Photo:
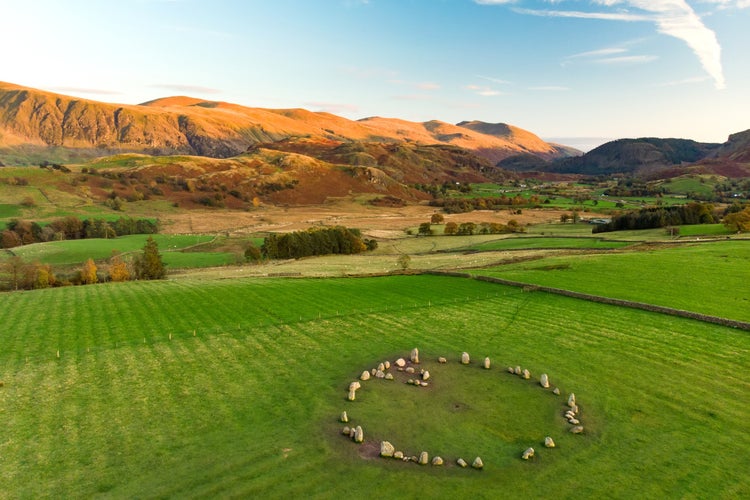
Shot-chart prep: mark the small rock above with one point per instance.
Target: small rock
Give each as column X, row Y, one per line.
column 379, row 374
column 511, row 370
column 424, row 458
column 544, row 380
column 409, row 369
column 574, row 409
column 442, row 360
column 578, row 429
column 528, row 453
column 517, row 370
column 344, row 417
column 373, row 371
column 424, row 384
column 426, row 375
column 574, row 421
column 548, row 442
column 359, row 435
column 437, row 461
column 365, row 375
column 386, row 449
column 347, row 431
column 572, row 400
column 486, row 363
column 381, row 367
column 526, row 374
column 461, row 462
column 410, row 381
column 387, row 365
column 556, row 391
column 477, row 464
column 352, row 432
column 414, row 356
column 354, row 386
column 398, row 455
column 400, row 362
column 389, row 376
column 465, row 359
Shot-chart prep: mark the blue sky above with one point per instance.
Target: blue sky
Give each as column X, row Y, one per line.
column 563, row 69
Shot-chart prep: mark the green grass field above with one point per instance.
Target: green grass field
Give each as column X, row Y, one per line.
column 710, row 278
column 536, row 242
column 244, row 399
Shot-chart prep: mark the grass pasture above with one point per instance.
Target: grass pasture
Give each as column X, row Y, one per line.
column 710, row 278
column 243, row 400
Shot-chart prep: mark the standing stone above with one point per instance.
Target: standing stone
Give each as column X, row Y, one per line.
column 544, row 381
column 424, row 458
column 578, row 429
column 400, row 362
column 354, row 386
column 352, row 395
column 379, row 374
column 517, row 370
column 359, row 435
column 414, row 356
column 442, row 360
column 381, row 367
column 347, row 431
column 365, row 375
column 437, row 461
column 389, row 376
column 477, row 464
column 387, row 365
column 556, row 391
column 526, row 374
column 548, row 442
column 486, row 363
column 461, row 462
column 409, row 369
column 386, row 449
column 528, row 453
column 425, row 375
column 344, row 417
column 572, row 400
column 465, row 360
column 574, row 421
column 510, row 369
column 398, row 455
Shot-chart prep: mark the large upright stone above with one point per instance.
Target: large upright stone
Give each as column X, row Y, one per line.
column 386, row 449
column 365, row 375
column 381, row 367
column 528, row 453
column 477, row 464
column 465, row 359
column 354, row 386
column 359, row 435
column 424, row 458
column 572, row 400
column 486, row 363
column 526, row 374
column 437, row 461
column 578, row 429
column 414, row 357
column 461, row 462
column 400, row 362
column 425, row 375
column 548, row 442
column 544, row 381
column 352, row 395
column 344, row 417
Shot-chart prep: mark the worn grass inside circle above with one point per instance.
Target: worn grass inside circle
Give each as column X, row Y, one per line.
column 466, row 411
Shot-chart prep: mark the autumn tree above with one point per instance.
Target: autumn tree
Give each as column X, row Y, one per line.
column 437, row 218
column 88, row 273
column 252, row 253
column 15, row 267
column 425, row 229
column 450, row 228
column 44, row 278
column 118, row 268
column 403, row 261
column 148, row 265
column 738, row 221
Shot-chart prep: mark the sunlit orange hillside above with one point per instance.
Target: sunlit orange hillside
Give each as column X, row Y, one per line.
column 185, row 125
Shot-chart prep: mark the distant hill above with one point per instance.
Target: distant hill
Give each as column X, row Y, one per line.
column 34, row 123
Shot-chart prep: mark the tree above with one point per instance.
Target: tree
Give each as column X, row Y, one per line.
column 88, row 273
column 425, row 229
column 437, row 218
column 739, row 221
column 252, row 253
column 44, row 276
column 118, row 269
column 15, row 267
column 450, row 228
column 149, row 265
column 403, row 261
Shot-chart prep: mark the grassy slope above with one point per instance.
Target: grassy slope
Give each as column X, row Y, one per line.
column 709, row 278
column 252, row 400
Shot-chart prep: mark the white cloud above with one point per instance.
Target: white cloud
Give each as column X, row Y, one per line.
column 483, row 90
column 627, row 60
column 550, row 88
column 685, row 81
column 675, row 18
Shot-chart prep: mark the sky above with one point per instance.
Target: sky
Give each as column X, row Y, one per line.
column 578, row 72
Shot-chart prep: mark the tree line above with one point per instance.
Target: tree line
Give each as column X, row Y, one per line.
column 147, row 265
column 463, row 205
column 316, row 241
column 23, row 232
column 655, row 217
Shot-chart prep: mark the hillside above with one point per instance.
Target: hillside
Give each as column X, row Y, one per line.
column 34, row 123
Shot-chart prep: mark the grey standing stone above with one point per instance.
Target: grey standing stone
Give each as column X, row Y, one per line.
column 359, row 435
column 572, row 400
column 556, row 391
column 424, row 458
column 365, row 375
column 544, row 381
column 437, row 461
column 398, row 455
column 477, row 464
column 425, row 375
column 486, row 363
column 461, row 462
column 386, row 449
column 548, row 442
column 344, row 417
column 528, row 453
column 526, row 374
column 465, row 359
column 400, row 362
column 352, row 395
column 578, row 429
column 414, row 356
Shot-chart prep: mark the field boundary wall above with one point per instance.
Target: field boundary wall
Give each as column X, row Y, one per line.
column 603, row 300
